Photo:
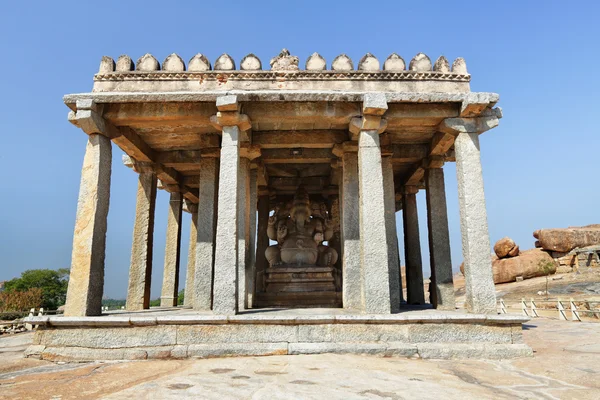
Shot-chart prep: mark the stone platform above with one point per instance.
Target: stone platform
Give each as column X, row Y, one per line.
column 181, row 333
column 299, row 287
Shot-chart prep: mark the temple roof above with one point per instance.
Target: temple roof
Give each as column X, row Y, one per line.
column 393, row 75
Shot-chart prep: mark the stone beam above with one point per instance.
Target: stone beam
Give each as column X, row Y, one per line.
column 317, row 139
column 163, row 99
column 307, row 156
column 160, row 114
column 132, row 144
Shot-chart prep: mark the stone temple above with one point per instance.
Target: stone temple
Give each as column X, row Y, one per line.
column 292, row 178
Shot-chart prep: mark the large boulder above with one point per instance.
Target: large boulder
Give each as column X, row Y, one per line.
column 506, row 247
column 528, row 264
column 567, row 239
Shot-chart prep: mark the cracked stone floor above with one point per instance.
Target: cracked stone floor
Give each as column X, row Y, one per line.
column 566, row 365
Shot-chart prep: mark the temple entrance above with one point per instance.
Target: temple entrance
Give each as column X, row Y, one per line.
column 303, row 267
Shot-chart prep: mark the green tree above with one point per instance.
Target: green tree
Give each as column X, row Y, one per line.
column 52, row 282
column 180, row 297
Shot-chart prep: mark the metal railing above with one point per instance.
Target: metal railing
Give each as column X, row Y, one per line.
column 560, row 309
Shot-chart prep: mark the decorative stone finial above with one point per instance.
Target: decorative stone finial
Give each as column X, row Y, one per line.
column 284, row 61
column 199, row 63
column 147, row 62
column 107, row 64
column 224, row 63
column 394, row 63
column 420, row 62
column 441, row 65
column 459, row 66
column 251, row 63
column 342, row 63
column 173, row 63
column 368, row 63
column 315, row 63
column 124, row 63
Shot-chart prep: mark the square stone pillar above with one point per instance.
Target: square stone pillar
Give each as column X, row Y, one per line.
column 373, row 236
column 412, row 247
column 441, row 286
column 480, row 293
column 140, row 270
column 226, row 253
column 352, row 279
column 86, row 281
column 251, row 260
column 243, row 231
column 391, row 233
column 190, row 275
column 262, row 242
column 205, row 239
column 170, row 287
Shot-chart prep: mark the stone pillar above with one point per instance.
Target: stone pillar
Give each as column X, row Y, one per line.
column 243, row 231
column 480, row 293
column 205, row 239
column 441, row 286
column 412, row 247
column 168, row 297
column 226, row 252
column 86, row 282
column 373, row 239
column 352, row 279
column 251, row 260
column 140, row 270
column 190, row 275
column 391, row 233
column 262, row 242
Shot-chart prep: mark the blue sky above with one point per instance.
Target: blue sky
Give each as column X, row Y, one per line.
column 540, row 165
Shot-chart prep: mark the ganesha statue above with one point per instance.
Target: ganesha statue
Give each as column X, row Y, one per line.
column 300, row 228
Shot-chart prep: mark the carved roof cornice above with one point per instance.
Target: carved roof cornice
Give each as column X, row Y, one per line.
column 283, row 75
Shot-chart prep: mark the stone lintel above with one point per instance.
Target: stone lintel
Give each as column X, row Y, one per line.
column 454, row 126
column 273, row 96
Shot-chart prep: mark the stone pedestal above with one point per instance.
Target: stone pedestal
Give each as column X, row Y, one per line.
column 140, row 270
column 190, row 275
column 373, row 239
column 352, row 279
column 205, row 240
column 168, row 297
column 412, row 247
column 225, row 299
column 441, row 286
column 86, row 281
column 480, row 294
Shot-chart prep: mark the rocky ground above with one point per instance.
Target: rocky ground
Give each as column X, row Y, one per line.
column 565, row 366
column 584, row 284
